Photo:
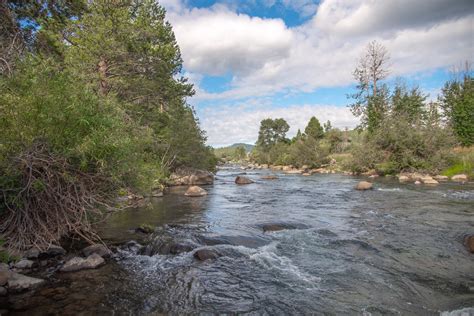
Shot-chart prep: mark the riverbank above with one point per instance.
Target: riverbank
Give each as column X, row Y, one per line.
column 398, row 247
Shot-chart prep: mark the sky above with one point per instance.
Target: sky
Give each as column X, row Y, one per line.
column 254, row 59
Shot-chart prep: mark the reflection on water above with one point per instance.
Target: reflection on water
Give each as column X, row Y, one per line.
column 393, row 250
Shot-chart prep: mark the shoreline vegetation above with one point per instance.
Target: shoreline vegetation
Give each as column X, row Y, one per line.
column 94, row 113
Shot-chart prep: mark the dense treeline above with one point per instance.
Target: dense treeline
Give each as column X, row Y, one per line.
column 399, row 131
column 91, row 100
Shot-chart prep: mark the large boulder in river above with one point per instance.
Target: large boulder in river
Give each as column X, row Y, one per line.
column 269, row 177
column 205, row 254
column 243, row 180
column 363, row 185
column 195, row 191
column 190, row 176
column 77, row 263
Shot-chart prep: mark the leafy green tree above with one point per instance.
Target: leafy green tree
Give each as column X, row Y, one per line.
column 457, row 103
column 272, row 132
column 314, row 129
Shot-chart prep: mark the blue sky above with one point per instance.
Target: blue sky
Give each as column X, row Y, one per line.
column 253, row 59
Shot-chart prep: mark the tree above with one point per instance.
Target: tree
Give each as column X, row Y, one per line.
column 371, row 98
column 128, row 49
column 314, row 129
column 410, row 104
column 240, row 152
column 272, row 132
column 457, row 102
column 327, row 126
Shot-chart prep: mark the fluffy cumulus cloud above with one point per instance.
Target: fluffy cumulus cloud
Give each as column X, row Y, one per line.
column 215, row 41
column 239, row 124
column 265, row 56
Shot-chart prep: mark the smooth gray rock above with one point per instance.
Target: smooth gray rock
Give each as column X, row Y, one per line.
column 99, row 249
column 20, row 282
column 24, row 264
column 77, row 263
column 243, row 180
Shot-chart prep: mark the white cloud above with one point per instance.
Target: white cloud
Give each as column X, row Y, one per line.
column 239, row 124
column 265, row 56
column 216, row 41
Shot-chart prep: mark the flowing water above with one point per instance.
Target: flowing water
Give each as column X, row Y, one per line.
column 397, row 249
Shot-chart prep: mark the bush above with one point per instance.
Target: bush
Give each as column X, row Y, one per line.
column 63, row 152
column 404, row 146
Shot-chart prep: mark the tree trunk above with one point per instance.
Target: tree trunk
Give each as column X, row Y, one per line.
column 103, row 84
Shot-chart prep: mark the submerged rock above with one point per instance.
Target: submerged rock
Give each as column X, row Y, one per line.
column 469, row 242
column 77, row 263
column 270, row 177
column 99, row 249
column 364, row 185
column 205, row 254
column 20, row 282
column 272, row 227
column 243, row 180
column 195, row 191
column 145, row 229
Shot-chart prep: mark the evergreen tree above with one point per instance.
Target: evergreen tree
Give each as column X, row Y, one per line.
column 327, row 126
column 457, row 102
column 314, row 129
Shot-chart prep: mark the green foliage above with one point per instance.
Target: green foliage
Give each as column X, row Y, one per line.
column 463, row 163
column 314, row 129
column 103, row 92
column 272, row 132
column 404, row 146
column 457, row 102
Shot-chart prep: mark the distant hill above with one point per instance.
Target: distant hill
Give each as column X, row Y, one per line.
column 248, row 147
column 230, row 152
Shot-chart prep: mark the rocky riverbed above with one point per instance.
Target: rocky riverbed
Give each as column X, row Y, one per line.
column 283, row 243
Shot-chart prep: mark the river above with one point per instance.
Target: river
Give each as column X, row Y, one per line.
column 397, row 249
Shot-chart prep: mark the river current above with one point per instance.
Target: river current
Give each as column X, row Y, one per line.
column 397, row 249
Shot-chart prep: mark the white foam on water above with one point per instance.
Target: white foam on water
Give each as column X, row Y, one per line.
column 266, row 256
column 468, row 311
column 390, row 190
